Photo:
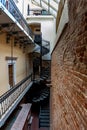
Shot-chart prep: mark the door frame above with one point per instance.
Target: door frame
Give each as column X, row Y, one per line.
column 14, row 71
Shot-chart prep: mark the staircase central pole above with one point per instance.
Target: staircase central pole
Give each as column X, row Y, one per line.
column 41, row 57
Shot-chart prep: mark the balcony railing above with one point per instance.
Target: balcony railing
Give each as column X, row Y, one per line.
column 37, row 12
column 10, row 97
column 12, row 8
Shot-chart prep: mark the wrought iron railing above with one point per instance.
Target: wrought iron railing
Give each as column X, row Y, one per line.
column 12, row 8
column 8, row 98
column 46, row 47
column 37, row 12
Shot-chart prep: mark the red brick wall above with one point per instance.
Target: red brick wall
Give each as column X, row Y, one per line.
column 69, row 72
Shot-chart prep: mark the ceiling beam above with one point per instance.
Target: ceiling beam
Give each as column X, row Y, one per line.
column 55, row 1
column 41, row 5
column 47, row 3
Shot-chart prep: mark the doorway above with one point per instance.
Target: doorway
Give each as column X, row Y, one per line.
column 11, row 74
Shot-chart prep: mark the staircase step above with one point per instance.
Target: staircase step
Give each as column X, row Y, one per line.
column 45, row 111
column 45, row 93
column 44, row 121
column 44, row 117
column 44, row 125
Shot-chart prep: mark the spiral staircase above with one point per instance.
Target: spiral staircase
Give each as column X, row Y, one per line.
column 39, row 93
column 43, row 49
column 39, row 90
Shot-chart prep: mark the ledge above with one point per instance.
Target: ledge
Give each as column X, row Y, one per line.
column 22, row 117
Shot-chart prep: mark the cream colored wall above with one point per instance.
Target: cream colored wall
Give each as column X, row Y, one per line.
column 21, row 67
column 48, row 23
column 4, row 51
column 48, row 28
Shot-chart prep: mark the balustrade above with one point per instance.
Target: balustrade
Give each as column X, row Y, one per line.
column 12, row 8
column 10, row 97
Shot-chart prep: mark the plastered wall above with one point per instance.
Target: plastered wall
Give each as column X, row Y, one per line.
column 21, row 69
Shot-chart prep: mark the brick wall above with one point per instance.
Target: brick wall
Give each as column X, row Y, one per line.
column 69, row 72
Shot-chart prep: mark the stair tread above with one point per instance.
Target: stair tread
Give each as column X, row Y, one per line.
column 45, row 111
column 43, row 118
column 44, row 125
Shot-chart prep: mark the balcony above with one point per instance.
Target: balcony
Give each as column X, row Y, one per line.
column 10, row 14
column 10, row 100
column 36, row 12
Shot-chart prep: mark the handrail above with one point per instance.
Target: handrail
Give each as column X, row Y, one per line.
column 37, row 12
column 47, row 44
column 8, row 98
column 38, row 40
column 12, row 8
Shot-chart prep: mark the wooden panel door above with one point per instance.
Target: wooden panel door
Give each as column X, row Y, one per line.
column 10, row 68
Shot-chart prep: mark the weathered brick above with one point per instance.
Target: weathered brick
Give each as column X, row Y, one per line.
column 69, row 72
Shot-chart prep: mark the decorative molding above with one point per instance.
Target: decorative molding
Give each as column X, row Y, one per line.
column 10, row 58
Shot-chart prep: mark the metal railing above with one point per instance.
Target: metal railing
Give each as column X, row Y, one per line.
column 37, row 12
column 12, row 8
column 8, row 98
column 44, row 48
column 44, row 45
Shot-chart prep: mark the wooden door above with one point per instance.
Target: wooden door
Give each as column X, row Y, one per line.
column 11, row 78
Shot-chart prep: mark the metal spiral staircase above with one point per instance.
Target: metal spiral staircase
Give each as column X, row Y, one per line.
column 44, row 116
column 43, row 49
column 39, row 93
column 42, row 43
